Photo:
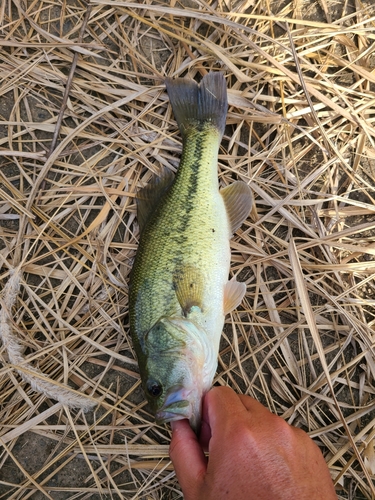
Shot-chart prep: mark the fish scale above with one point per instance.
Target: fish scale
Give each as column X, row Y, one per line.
column 183, row 218
column 179, row 289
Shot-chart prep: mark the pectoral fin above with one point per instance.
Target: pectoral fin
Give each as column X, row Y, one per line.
column 149, row 197
column 238, row 201
column 188, row 283
column 234, row 292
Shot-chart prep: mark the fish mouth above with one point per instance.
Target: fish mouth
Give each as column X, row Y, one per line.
column 178, row 405
column 177, row 411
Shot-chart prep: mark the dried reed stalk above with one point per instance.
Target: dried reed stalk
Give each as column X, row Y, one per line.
column 301, row 81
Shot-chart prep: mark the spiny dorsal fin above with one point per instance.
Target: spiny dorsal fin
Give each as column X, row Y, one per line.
column 238, row 201
column 234, row 292
column 189, row 283
column 148, row 197
column 196, row 106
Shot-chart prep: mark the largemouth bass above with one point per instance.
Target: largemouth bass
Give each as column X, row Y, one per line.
column 179, row 289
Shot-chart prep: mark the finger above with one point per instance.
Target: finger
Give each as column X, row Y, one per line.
column 209, row 411
column 212, row 407
column 222, row 406
column 205, row 433
column 222, row 411
column 187, row 457
column 252, row 405
column 224, row 402
column 225, row 412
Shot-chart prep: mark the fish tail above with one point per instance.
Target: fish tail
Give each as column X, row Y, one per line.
column 199, row 106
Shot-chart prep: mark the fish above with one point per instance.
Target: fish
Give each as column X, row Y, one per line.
column 179, row 289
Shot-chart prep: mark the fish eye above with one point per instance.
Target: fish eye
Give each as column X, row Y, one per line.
column 154, row 388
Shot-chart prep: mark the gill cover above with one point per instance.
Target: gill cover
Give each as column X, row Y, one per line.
column 178, row 359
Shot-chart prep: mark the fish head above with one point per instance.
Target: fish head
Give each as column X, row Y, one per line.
column 178, row 370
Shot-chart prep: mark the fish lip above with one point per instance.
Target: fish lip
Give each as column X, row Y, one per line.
column 171, row 414
column 176, row 395
column 162, row 417
column 178, row 406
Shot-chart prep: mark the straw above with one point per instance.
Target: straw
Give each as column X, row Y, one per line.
column 85, row 122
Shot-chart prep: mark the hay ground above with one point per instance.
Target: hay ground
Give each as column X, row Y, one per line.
column 84, row 123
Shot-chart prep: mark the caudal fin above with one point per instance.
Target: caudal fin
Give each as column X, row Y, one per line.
column 199, row 106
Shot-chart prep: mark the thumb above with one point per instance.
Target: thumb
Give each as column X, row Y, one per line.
column 188, row 458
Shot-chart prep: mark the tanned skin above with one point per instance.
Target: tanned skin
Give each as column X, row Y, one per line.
column 253, row 454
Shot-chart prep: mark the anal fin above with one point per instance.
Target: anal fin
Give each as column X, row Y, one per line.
column 234, row 292
column 238, row 201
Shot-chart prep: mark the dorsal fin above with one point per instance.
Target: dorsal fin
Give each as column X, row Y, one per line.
column 238, row 201
column 234, row 292
column 149, row 197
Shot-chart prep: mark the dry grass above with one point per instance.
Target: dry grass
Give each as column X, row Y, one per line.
column 301, row 81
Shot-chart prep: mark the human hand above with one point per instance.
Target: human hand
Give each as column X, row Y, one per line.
column 253, row 454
